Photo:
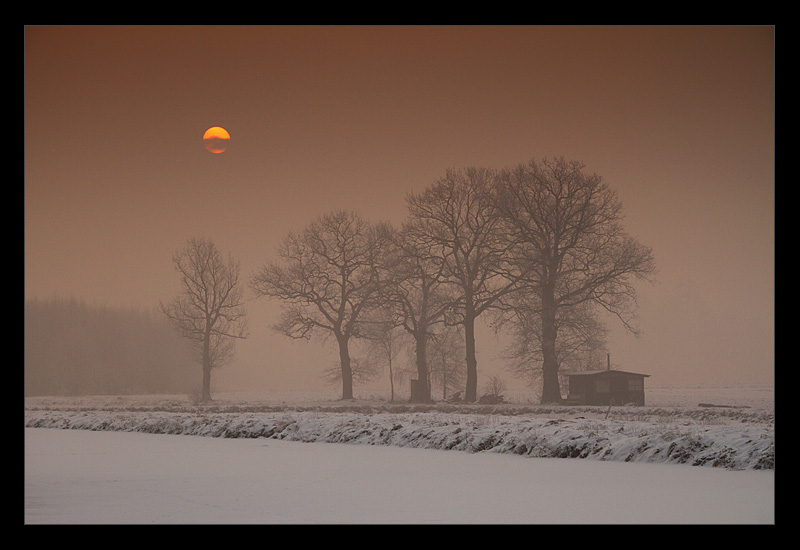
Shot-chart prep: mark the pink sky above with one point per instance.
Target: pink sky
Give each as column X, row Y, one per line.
column 679, row 120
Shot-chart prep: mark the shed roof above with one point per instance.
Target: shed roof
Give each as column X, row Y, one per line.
column 606, row 372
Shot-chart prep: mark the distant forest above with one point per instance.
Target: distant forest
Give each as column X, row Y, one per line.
column 72, row 348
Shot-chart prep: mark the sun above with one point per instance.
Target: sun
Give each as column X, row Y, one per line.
column 216, row 139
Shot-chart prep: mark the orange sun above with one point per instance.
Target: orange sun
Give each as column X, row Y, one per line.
column 216, row 139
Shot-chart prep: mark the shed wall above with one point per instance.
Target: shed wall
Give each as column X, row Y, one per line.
column 606, row 389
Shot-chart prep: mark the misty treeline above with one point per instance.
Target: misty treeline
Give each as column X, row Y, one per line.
column 537, row 249
column 71, row 348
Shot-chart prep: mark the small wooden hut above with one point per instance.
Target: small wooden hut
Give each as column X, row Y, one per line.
column 606, row 387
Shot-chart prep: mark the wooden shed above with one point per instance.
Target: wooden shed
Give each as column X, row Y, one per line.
column 606, row 387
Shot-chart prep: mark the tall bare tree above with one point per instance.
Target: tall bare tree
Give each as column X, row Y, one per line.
column 416, row 292
column 580, row 345
column 459, row 213
column 566, row 226
column 209, row 309
column 327, row 277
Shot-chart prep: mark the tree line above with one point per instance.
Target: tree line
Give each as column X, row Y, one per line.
column 539, row 248
column 72, row 348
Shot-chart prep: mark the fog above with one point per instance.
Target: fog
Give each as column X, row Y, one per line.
column 680, row 122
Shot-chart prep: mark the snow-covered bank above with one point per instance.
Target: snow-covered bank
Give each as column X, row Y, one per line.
column 734, row 436
column 734, row 447
column 83, row 477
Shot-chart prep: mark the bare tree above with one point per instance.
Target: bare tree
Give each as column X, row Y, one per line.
column 327, row 277
column 569, row 241
column 416, row 292
column 383, row 343
column 581, row 342
column 209, row 309
column 447, row 366
column 459, row 213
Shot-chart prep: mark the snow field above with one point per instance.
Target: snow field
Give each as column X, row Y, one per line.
column 249, row 458
column 85, row 477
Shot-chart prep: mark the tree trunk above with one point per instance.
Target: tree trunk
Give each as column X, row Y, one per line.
column 551, row 391
column 347, row 372
column 391, row 381
column 206, row 384
column 424, row 387
column 471, row 391
column 206, row 367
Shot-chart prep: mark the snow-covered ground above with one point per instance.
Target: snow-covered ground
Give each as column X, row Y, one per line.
column 283, row 459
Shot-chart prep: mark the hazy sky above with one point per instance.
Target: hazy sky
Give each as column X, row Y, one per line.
column 680, row 121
